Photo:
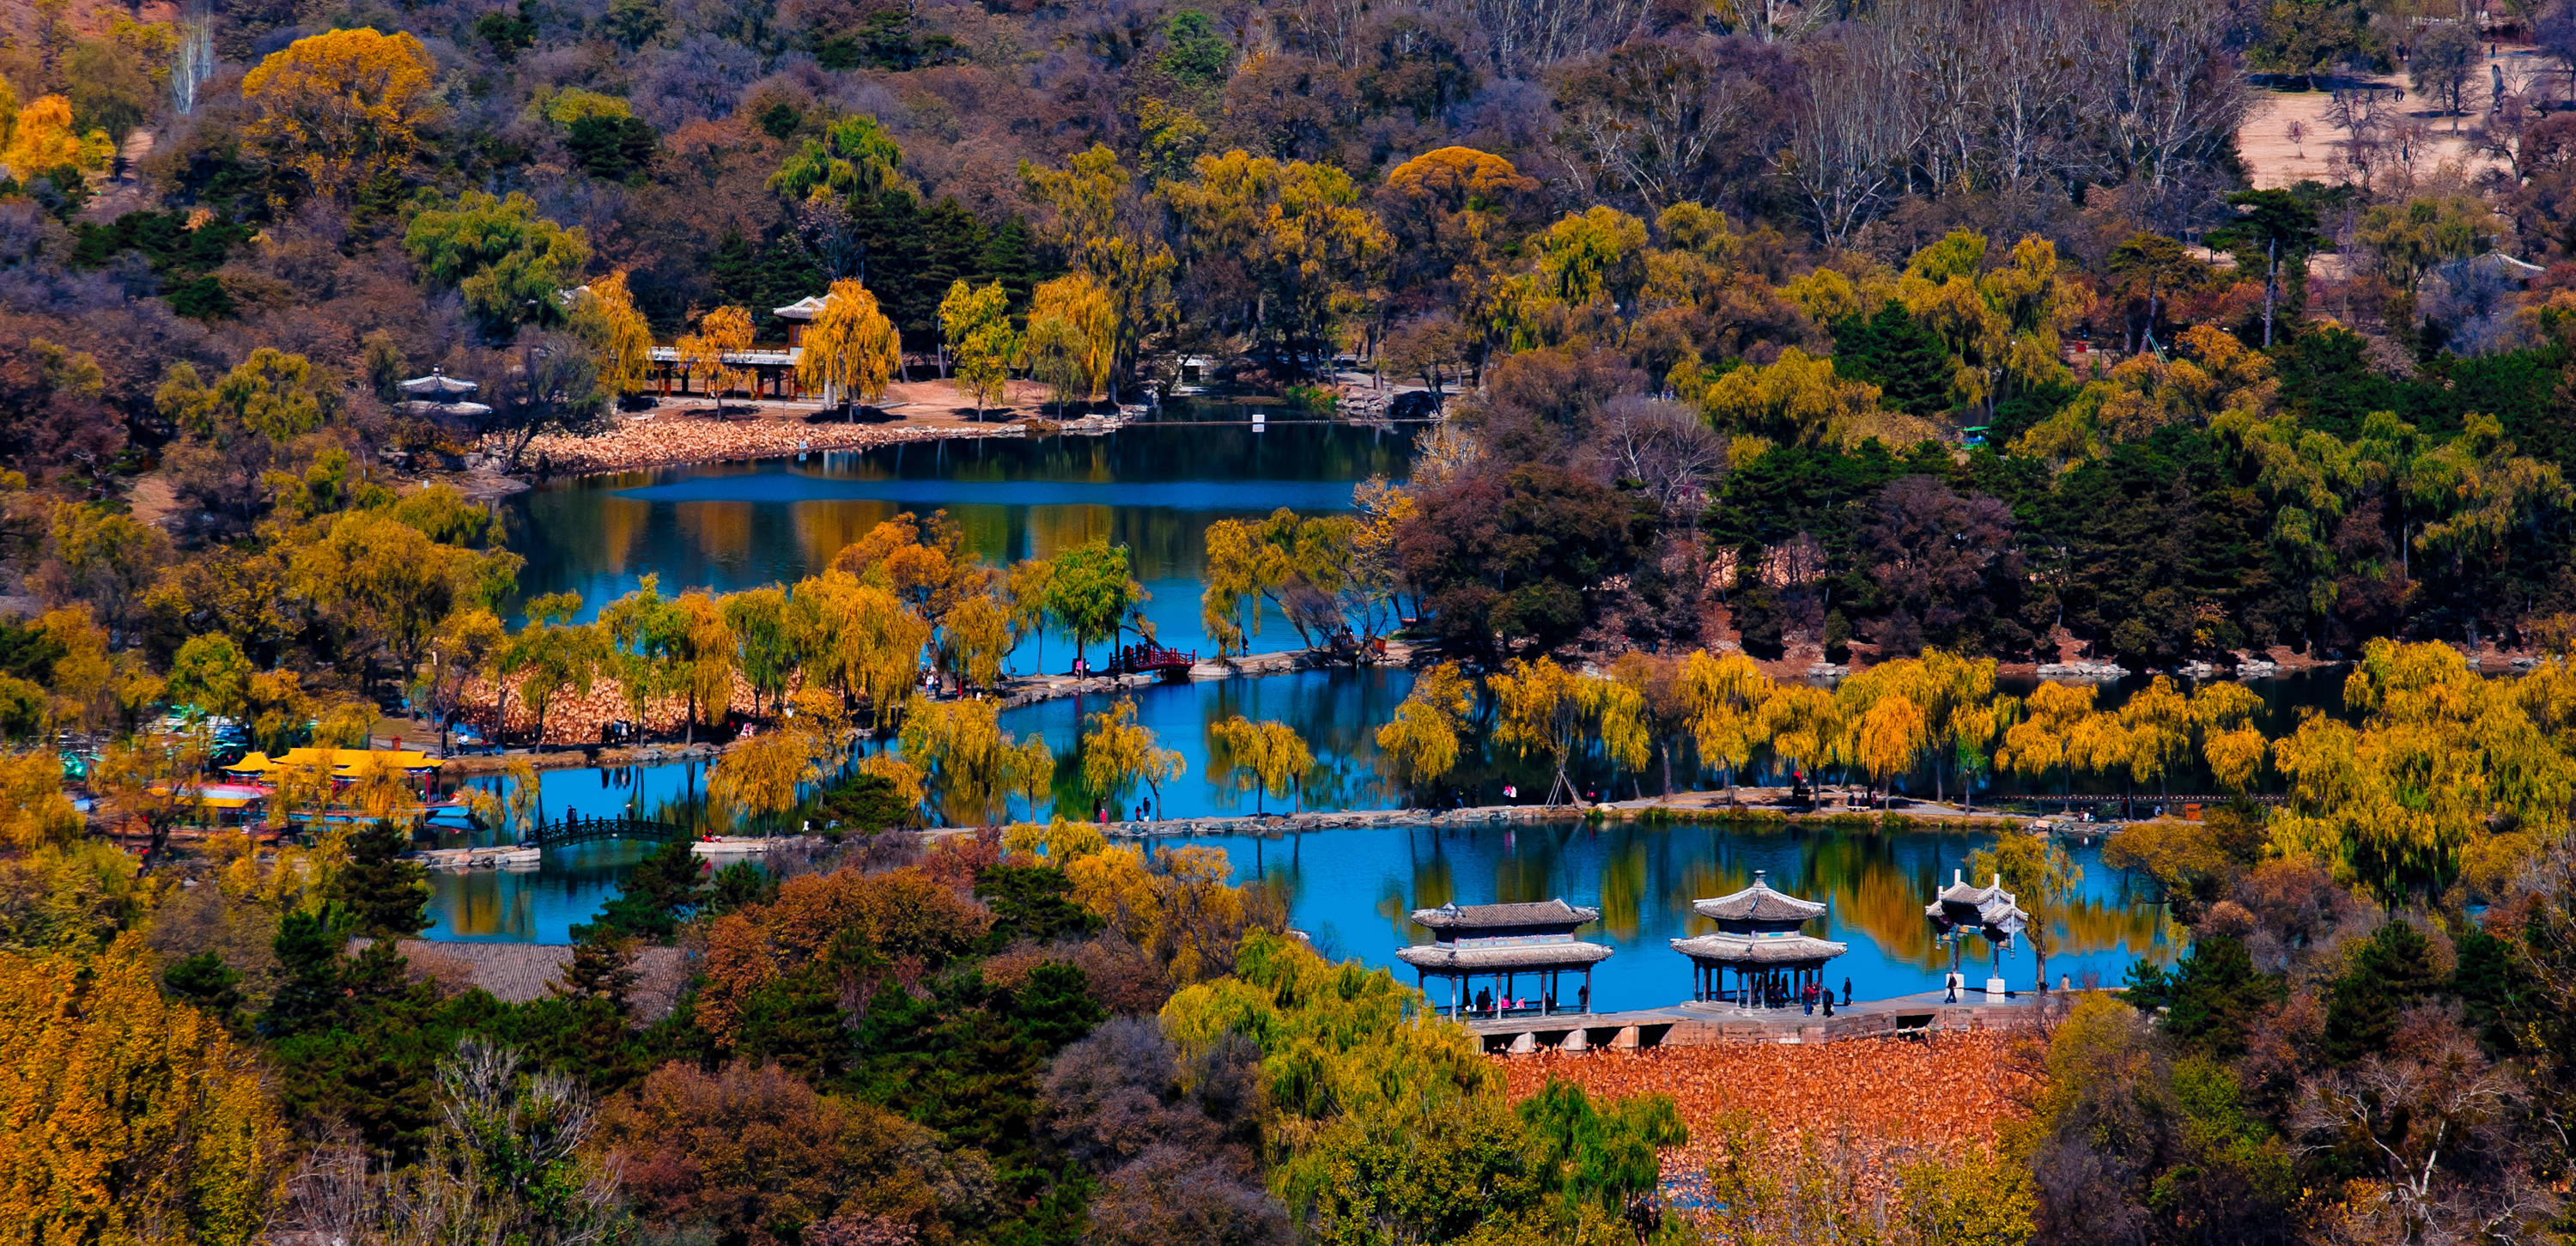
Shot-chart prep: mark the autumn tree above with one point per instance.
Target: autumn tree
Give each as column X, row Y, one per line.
column 1118, row 752
column 830, row 180
column 604, row 317
column 2039, row 873
column 341, row 109
column 1725, row 694
column 1072, row 338
column 1421, row 741
column 980, row 340
column 1093, row 221
column 1547, row 711
column 969, row 761
column 851, row 350
column 134, row 1116
column 723, row 336
column 1268, row 757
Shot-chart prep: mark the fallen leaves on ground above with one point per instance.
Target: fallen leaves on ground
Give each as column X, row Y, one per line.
column 1878, row 1101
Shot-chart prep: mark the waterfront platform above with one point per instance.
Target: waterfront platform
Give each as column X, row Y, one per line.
column 1716, row 1022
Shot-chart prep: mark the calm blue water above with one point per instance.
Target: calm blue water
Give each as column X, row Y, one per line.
column 1151, row 489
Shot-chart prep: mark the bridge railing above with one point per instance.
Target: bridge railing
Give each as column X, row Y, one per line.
column 577, row 830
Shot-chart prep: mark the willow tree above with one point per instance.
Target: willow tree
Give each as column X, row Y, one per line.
column 1073, row 338
column 764, row 775
column 2223, row 714
column 723, row 336
column 2044, row 741
column 605, row 317
column 1268, row 756
column 1548, row 711
column 1726, row 694
column 858, row 638
column 1117, row 753
column 968, row 761
column 1421, row 741
column 2158, row 718
column 851, row 350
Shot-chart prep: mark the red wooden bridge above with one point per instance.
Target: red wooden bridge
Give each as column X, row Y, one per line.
column 1168, row 663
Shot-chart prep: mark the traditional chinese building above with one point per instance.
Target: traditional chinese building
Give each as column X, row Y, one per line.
column 1963, row 910
column 1760, row 938
column 1502, row 942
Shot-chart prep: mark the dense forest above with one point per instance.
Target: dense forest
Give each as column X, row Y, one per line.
column 1917, row 335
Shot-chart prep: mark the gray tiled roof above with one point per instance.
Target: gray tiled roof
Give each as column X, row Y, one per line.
column 1490, row 916
column 1759, row 903
column 1452, row 958
column 1759, row 949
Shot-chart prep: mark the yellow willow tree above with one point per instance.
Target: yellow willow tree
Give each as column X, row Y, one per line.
column 1073, row 337
column 2158, row 719
column 1725, row 694
column 2223, row 714
column 858, row 637
column 1957, row 694
column 1545, row 710
column 1889, row 737
column 1420, row 742
column 723, row 336
column 1268, row 756
column 969, row 762
column 762, row 776
column 605, row 317
column 852, row 351
column 1117, row 753
column 973, row 640
column 2044, row 740
column 2448, row 777
column 707, row 657
column 1801, row 724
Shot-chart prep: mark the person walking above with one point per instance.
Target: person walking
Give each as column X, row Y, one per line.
column 1846, row 992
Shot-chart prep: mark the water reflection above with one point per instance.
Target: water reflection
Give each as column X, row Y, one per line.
column 1154, row 490
column 1353, row 890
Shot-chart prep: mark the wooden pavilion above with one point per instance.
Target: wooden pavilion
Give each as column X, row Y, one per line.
column 1759, row 937
column 1503, row 941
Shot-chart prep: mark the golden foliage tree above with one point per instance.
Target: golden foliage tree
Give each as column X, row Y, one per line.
column 723, row 336
column 605, row 316
column 130, row 1118
column 981, row 342
column 1073, row 337
column 852, row 351
column 1118, row 752
column 341, row 108
column 1725, row 694
column 1548, row 711
column 1268, row 756
column 1421, row 741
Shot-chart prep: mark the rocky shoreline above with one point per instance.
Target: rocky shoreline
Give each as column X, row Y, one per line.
column 675, row 439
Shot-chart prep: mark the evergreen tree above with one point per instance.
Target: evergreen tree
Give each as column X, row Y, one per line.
column 2218, row 996
column 385, row 896
column 309, row 972
column 207, row 983
column 1899, row 355
column 1011, row 257
column 662, row 891
column 2394, row 969
column 1030, row 902
column 2490, row 986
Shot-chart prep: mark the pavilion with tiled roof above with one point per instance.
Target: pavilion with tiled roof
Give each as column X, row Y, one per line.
column 1760, row 937
column 1503, row 941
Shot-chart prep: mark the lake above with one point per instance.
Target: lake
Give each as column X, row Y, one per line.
column 1153, row 489
column 1353, row 889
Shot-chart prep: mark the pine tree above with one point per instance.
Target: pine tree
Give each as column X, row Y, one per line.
column 386, row 897
column 2218, row 996
column 2394, row 969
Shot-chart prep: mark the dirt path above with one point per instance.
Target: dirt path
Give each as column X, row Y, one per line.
column 2287, row 138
